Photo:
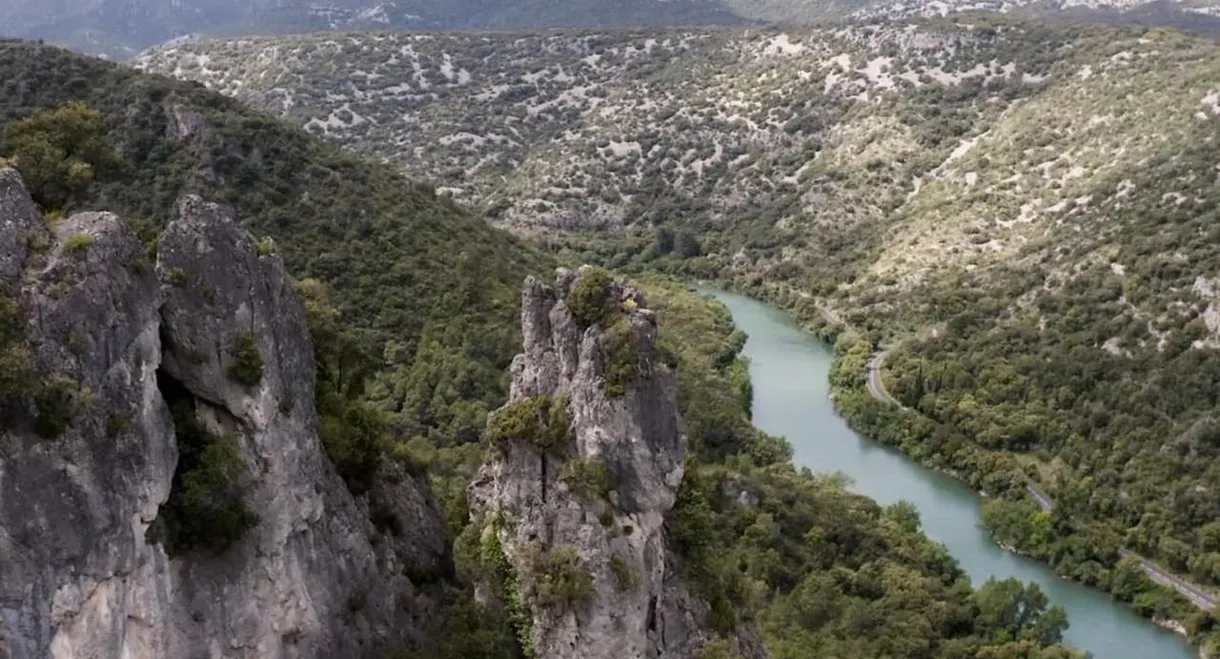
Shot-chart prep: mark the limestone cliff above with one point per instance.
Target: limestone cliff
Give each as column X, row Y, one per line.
column 588, row 456
column 142, row 370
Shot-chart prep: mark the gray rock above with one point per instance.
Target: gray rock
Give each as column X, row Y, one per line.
column 184, row 123
column 19, row 217
column 639, row 437
column 81, row 578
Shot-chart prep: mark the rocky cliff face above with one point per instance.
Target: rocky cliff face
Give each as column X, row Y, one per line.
column 589, row 454
column 137, row 364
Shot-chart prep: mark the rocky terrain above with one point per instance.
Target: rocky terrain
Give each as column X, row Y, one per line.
column 170, row 494
column 589, row 453
column 1024, row 212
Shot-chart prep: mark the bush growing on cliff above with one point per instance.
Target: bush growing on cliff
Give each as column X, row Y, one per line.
column 247, row 366
column 622, row 360
column 540, row 420
column 59, row 400
column 205, row 508
column 559, row 579
column 60, row 152
column 590, row 301
column 587, row 477
column 14, row 353
column 624, row 578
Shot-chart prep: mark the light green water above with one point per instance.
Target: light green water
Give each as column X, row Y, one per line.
column 790, row 371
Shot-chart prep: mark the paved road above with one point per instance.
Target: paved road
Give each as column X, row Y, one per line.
column 876, row 388
column 1188, row 590
column 1192, row 592
column 1042, row 500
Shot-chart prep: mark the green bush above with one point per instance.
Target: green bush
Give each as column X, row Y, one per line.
column 624, row 578
column 247, row 366
column 117, row 423
column 15, row 358
column 59, row 153
column 587, row 477
column 205, row 509
column 265, row 247
column 622, row 360
column 59, row 401
column 78, row 242
column 540, row 420
column 354, row 436
column 591, row 301
column 507, row 584
column 560, row 580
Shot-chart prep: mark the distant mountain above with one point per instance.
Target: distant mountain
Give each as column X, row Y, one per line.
column 118, row 29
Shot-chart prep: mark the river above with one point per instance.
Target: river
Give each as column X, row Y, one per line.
column 790, row 369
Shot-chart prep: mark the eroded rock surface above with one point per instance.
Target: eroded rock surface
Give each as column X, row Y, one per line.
column 81, row 576
column 576, row 501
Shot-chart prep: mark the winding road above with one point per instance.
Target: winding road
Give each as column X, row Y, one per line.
column 1192, row 592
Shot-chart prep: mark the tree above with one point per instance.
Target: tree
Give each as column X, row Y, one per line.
column 1008, row 607
column 665, row 240
column 60, row 152
column 687, row 245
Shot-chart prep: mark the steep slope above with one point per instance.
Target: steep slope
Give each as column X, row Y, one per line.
column 590, row 454
column 156, row 500
column 1024, row 212
column 428, row 290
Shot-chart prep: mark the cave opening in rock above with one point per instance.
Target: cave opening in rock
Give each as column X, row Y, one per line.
column 205, row 509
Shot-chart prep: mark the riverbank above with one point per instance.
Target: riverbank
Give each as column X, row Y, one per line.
column 854, row 402
column 791, row 374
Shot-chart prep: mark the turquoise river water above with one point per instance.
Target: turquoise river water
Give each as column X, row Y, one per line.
column 789, row 369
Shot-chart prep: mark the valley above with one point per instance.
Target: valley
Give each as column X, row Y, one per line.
column 348, row 358
column 985, row 194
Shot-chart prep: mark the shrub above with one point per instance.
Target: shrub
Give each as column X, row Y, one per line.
column 15, row 359
column 587, row 477
column 59, row 152
column 719, row 649
column 58, row 402
column 622, row 360
column 205, row 507
column 539, row 420
column 78, row 242
column 590, row 301
column 353, row 435
column 247, row 366
column 265, row 247
column 624, row 578
column 508, row 583
column 117, row 424
column 560, row 580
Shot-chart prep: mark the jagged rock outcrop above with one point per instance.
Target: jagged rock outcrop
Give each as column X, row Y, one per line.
column 81, row 575
column 590, row 452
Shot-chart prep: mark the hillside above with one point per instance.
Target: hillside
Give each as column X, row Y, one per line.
column 428, row 292
column 1025, row 213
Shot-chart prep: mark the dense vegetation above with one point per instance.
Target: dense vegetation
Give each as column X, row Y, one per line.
column 412, row 304
column 821, row 571
column 998, row 212
column 426, row 295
